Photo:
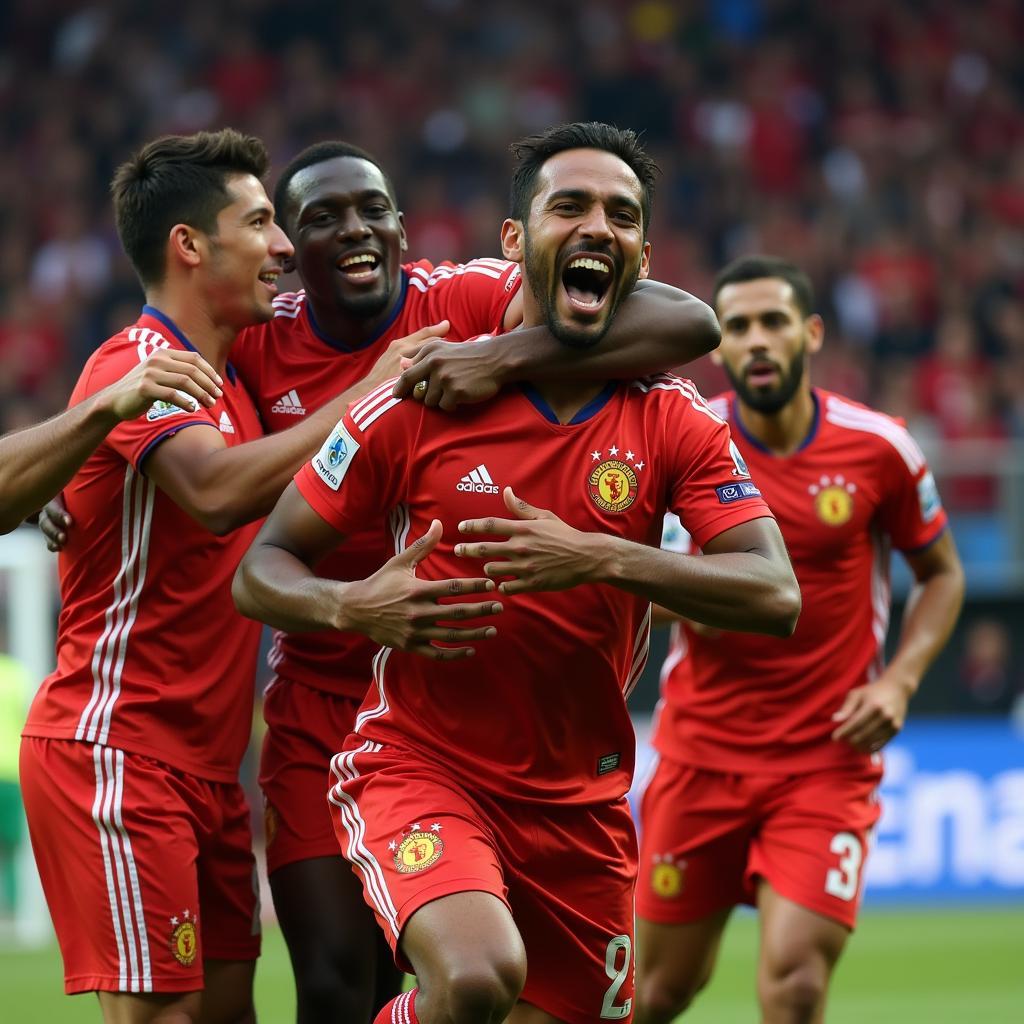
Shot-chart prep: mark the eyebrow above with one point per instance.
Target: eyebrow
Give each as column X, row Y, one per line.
column 262, row 210
column 580, row 194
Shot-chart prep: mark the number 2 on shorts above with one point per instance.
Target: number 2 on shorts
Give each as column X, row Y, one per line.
column 841, row 882
column 609, row 1011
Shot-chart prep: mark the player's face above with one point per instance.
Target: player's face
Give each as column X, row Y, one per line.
column 583, row 245
column 765, row 341
column 348, row 236
column 246, row 256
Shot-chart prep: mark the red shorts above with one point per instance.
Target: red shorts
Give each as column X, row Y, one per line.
column 305, row 729
column 708, row 836
column 147, row 870
column 566, row 872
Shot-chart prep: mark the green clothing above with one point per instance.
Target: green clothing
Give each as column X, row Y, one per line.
column 15, row 690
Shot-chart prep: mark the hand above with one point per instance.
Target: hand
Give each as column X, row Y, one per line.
column 184, row 379
column 54, row 522
column 390, row 362
column 871, row 715
column 542, row 552
column 396, row 609
column 456, row 373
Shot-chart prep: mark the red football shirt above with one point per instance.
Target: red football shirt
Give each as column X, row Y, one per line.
column 152, row 656
column 292, row 369
column 744, row 703
column 540, row 712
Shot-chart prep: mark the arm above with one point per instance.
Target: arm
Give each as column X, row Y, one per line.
column 276, row 584
column 657, row 328
column 742, row 581
column 37, row 462
column 871, row 715
column 224, row 487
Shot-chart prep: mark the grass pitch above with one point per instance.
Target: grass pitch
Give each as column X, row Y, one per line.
column 901, row 967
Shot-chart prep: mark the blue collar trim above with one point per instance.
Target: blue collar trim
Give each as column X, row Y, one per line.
column 592, row 408
column 156, row 314
column 811, row 434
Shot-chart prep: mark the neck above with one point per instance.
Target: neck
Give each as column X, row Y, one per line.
column 211, row 340
column 782, row 432
column 567, row 398
column 351, row 329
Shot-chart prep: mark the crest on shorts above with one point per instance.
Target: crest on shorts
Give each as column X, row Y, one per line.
column 667, row 876
column 184, row 938
column 417, row 848
column 833, row 499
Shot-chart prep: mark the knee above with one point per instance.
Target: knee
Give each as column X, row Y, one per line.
column 479, row 993
column 660, row 999
column 798, row 989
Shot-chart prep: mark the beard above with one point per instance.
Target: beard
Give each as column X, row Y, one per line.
column 769, row 400
column 567, row 333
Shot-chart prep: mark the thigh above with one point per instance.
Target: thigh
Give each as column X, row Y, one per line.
column 305, row 729
column 411, row 835
column 115, row 844
column 813, row 841
column 227, row 993
column 696, row 830
column 228, row 880
column 571, row 874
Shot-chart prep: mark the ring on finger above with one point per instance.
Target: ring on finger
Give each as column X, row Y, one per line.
column 420, row 389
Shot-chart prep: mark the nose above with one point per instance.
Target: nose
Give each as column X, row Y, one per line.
column 595, row 225
column 279, row 244
column 351, row 225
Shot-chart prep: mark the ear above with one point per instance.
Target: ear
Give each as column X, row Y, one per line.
column 815, row 328
column 185, row 245
column 645, row 263
column 404, row 244
column 513, row 240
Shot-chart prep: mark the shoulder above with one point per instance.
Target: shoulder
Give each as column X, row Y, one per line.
column 865, row 425
column 424, row 276
column 121, row 353
column 286, row 320
column 676, row 396
column 379, row 411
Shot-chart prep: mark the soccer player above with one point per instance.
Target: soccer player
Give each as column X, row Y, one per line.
column 339, row 208
column 36, row 463
column 764, row 791
column 130, row 759
column 475, row 787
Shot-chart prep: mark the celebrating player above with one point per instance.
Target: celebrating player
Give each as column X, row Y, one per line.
column 132, row 747
column 764, row 791
column 486, row 785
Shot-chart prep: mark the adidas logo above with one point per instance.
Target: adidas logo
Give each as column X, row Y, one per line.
column 477, row 481
column 289, row 405
column 225, row 424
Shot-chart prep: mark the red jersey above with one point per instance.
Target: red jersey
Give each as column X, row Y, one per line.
column 745, row 703
column 292, row 369
column 152, row 656
column 540, row 712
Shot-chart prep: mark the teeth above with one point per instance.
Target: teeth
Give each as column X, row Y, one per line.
column 361, row 258
column 585, row 263
column 270, row 276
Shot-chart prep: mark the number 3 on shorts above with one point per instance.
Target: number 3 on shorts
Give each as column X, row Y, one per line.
column 620, row 944
column 841, row 882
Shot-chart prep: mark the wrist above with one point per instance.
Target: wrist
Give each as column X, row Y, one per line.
column 102, row 409
column 605, row 556
column 506, row 362
column 903, row 680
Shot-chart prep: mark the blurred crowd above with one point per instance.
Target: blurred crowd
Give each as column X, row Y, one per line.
column 879, row 143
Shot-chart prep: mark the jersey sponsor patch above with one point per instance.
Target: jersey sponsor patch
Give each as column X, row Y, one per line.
column 928, row 497
column 332, row 461
column 728, row 493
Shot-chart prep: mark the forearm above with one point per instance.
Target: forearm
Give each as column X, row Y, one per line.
column 744, row 590
column 36, row 463
column 928, row 620
column 656, row 328
column 276, row 587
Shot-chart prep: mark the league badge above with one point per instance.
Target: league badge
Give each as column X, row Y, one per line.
column 418, row 848
column 332, row 461
column 184, row 939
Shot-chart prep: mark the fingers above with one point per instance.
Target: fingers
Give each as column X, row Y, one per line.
column 522, row 509
column 848, row 706
column 442, row 653
column 453, row 635
column 452, row 588
column 421, row 547
column 53, row 524
column 187, row 372
column 458, row 612
column 499, row 527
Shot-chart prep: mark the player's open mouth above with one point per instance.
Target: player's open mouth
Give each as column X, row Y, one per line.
column 269, row 279
column 359, row 267
column 587, row 280
column 762, row 374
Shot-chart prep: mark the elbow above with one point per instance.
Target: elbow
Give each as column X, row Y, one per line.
column 703, row 333
column 219, row 517
column 786, row 607
column 241, row 594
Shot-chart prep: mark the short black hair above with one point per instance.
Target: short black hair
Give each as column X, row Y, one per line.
column 318, row 153
column 754, row 268
column 534, row 151
column 178, row 179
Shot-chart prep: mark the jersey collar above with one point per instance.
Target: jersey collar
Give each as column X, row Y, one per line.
column 340, row 346
column 592, row 408
column 747, row 436
column 156, row 314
